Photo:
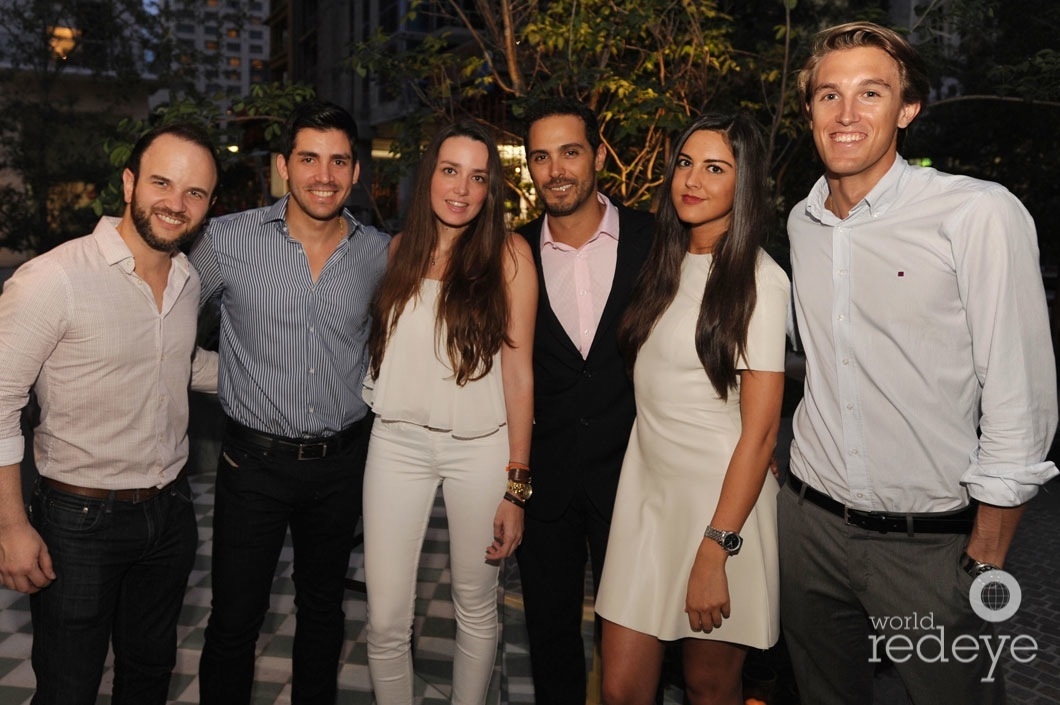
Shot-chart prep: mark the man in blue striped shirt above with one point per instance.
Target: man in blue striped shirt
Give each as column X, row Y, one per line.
column 295, row 282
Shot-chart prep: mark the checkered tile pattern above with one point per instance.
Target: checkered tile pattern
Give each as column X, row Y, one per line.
column 1032, row 683
column 434, row 630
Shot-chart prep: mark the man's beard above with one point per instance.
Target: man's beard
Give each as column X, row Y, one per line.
column 142, row 220
column 582, row 193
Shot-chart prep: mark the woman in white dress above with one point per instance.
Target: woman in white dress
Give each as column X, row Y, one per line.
column 451, row 387
column 692, row 553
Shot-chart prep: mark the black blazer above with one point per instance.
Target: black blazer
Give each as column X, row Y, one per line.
column 583, row 409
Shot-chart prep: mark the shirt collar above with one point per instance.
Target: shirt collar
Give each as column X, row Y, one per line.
column 608, row 224
column 111, row 245
column 115, row 252
column 277, row 212
column 882, row 196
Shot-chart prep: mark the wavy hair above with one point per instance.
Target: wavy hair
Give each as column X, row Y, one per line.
column 730, row 294
column 472, row 310
column 916, row 85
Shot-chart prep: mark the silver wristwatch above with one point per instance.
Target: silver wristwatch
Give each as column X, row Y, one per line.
column 975, row 568
column 728, row 540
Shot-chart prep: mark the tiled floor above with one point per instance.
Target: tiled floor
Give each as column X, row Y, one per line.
column 434, row 630
column 1034, row 560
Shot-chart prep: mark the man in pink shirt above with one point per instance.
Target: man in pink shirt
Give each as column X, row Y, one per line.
column 588, row 252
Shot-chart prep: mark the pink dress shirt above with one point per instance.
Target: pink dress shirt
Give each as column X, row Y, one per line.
column 578, row 280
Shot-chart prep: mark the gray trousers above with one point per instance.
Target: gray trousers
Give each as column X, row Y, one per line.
column 850, row 598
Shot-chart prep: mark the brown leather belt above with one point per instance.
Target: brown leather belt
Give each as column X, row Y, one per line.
column 135, row 496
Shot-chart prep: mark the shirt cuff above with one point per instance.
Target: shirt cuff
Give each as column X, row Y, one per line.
column 12, row 450
column 1006, row 485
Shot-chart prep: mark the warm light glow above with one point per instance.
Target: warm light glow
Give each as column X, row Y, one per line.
column 63, row 40
column 233, row 148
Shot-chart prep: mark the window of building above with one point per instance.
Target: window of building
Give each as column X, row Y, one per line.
column 235, row 61
column 232, row 33
column 63, row 41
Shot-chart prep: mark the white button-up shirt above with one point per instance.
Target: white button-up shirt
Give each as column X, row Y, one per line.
column 929, row 365
column 110, row 370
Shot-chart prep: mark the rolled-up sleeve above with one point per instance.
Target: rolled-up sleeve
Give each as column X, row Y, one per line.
column 996, row 257
column 32, row 317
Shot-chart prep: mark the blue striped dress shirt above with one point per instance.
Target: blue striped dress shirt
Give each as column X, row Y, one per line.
column 292, row 350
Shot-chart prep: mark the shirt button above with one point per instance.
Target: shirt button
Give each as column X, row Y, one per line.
column 846, row 361
column 853, row 451
column 311, row 410
column 841, row 272
column 312, row 371
column 859, row 495
column 850, row 407
column 842, row 317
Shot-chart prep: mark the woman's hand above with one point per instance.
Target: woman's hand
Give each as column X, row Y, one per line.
column 507, row 531
column 707, row 599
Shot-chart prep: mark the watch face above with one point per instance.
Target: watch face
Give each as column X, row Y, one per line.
column 731, row 542
column 522, row 490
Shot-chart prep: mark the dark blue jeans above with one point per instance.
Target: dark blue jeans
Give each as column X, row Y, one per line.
column 257, row 499
column 122, row 570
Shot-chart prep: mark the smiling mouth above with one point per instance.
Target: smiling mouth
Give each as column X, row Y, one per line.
column 560, row 188
column 457, row 204
column 847, row 137
column 323, row 193
column 170, row 219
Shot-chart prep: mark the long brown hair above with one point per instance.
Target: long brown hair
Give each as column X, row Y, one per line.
column 473, row 304
column 729, row 295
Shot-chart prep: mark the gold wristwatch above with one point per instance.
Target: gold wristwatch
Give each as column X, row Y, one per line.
column 520, row 490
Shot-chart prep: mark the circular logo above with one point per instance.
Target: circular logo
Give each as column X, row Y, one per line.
column 995, row 595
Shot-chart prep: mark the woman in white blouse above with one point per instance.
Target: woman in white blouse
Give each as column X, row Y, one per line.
column 451, row 386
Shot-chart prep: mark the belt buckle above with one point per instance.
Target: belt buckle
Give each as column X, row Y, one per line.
column 862, row 519
column 305, row 451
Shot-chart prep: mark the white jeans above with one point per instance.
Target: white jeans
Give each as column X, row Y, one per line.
column 405, row 464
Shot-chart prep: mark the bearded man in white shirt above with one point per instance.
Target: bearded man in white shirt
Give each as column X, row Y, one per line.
column 102, row 328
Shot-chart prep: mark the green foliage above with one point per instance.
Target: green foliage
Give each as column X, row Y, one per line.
column 253, row 123
column 59, row 92
column 645, row 66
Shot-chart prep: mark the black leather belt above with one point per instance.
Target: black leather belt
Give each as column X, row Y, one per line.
column 296, row 448
column 955, row 522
